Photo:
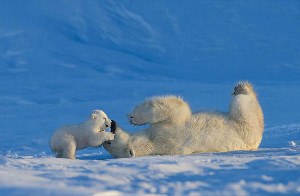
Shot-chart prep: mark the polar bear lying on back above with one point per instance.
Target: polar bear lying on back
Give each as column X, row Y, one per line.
column 174, row 130
column 91, row 133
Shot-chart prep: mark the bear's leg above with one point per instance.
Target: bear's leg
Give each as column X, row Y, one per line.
column 159, row 110
column 141, row 115
column 246, row 112
column 243, row 102
column 69, row 151
column 98, row 139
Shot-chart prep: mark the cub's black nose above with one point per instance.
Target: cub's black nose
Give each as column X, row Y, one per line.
column 113, row 126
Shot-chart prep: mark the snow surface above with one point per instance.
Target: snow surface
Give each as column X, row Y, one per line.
column 61, row 59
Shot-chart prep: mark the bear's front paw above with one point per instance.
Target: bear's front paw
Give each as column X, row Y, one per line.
column 110, row 136
column 242, row 88
column 113, row 126
column 133, row 120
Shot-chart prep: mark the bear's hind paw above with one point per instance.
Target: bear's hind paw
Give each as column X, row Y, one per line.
column 242, row 88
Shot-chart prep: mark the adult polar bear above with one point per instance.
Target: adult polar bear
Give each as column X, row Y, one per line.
column 174, row 130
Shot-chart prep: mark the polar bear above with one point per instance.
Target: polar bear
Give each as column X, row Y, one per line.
column 174, row 130
column 91, row 133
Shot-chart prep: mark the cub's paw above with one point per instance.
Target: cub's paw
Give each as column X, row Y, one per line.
column 242, row 88
column 110, row 136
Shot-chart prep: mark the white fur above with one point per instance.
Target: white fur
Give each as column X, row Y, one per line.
column 174, row 131
column 91, row 133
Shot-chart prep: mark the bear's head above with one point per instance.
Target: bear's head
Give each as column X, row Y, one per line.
column 119, row 147
column 100, row 119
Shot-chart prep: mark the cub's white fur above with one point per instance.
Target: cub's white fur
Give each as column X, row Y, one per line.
column 174, row 130
column 91, row 133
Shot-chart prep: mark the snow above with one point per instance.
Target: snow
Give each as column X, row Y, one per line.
column 61, row 59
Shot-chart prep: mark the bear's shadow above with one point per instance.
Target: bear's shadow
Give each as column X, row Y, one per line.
column 93, row 154
column 94, row 157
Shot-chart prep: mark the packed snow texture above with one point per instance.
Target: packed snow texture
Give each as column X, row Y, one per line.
column 61, row 59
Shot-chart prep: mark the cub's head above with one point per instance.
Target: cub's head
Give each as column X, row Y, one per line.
column 100, row 119
column 119, row 147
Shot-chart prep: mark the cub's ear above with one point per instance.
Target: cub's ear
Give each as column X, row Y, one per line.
column 93, row 116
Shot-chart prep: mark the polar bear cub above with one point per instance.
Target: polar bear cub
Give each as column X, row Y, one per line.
column 91, row 133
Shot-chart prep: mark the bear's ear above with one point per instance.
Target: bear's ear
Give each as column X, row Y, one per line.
column 93, row 116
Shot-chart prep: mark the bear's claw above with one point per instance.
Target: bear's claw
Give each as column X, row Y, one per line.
column 242, row 88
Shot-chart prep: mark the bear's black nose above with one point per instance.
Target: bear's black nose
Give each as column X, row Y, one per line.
column 106, row 125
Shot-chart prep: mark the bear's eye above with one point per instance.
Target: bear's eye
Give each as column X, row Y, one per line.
column 131, row 153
